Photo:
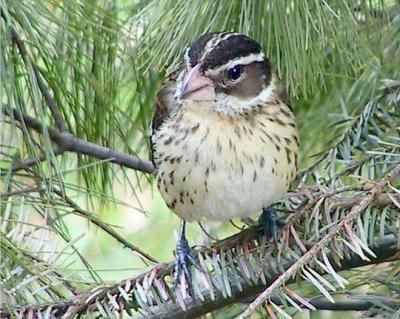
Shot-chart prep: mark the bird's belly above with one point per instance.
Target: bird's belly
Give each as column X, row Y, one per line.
column 198, row 190
column 229, row 194
column 220, row 168
column 215, row 178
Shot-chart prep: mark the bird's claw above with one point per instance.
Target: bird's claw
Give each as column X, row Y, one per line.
column 184, row 260
column 270, row 223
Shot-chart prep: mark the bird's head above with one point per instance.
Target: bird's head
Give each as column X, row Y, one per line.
column 228, row 71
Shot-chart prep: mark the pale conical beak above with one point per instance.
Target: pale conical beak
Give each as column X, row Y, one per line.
column 197, row 87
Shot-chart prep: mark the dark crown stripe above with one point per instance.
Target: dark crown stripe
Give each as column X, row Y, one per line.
column 197, row 47
column 233, row 47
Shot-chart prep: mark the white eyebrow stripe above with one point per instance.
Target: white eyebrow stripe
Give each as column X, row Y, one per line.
column 227, row 36
column 259, row 57
column 210, row 46
column 186, row 57
column 246, row 60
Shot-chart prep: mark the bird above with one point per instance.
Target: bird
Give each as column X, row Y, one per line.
column 224, row 138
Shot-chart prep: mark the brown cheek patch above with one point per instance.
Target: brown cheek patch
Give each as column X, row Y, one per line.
column 257, row 77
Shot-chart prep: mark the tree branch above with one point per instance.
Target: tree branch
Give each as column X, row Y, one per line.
column 94, row 219
column 247, row 245
column 25, row 164
column 70, row 143
column 384, row 250
column 26, row 190
column 54, row 108
column 61, row 136
column 354, row 303
column 310, row 254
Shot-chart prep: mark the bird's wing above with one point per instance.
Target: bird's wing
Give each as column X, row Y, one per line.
column 164, row 106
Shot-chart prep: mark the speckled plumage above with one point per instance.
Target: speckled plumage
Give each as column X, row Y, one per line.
column 229, row 157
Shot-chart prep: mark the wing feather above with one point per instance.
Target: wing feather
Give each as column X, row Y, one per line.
column 166, row 103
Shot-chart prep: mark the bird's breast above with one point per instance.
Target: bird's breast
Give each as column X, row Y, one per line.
column 218, row 167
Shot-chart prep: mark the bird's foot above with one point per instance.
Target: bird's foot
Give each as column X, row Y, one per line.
column 184, row 259
column 270, row 223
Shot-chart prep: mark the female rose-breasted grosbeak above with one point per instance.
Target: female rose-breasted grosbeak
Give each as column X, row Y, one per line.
column 224, row 138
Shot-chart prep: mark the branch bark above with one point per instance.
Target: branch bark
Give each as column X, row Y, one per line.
column 69, row 142
column 64, row 140
column 352, row 304
column 54, row 108
column 385, row 250
column 25, row 164
column 310, row 254
column 94, row 219
column 216, row 298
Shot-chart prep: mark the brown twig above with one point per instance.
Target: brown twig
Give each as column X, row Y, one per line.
column 54, row 108
column 323, row 196
column 344, row 202
column 384, row 250
column 69, row 142
column 354, row 303
column 33, row 189
column 27, row 163
column 90, row 216
column 94, row 219
column 64, row 140
column 310, row 254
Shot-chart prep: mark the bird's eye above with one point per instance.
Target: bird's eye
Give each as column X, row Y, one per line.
column 235, row 72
